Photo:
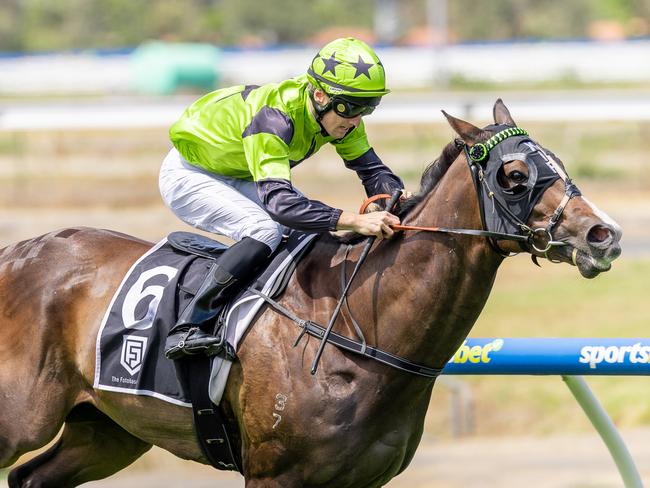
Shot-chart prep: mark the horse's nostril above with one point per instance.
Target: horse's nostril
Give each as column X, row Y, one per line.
column 599, row 234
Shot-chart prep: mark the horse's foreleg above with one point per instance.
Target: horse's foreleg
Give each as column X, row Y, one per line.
column 91, row 447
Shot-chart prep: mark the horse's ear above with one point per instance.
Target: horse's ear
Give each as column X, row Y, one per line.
column 468, row 132
column 502, row 114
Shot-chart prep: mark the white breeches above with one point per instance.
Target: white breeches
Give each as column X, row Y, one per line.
column 215, row 203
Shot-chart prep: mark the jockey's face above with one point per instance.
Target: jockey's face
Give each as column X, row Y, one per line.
column 335, row 125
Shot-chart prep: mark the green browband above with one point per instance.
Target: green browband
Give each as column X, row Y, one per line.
column 480, row 151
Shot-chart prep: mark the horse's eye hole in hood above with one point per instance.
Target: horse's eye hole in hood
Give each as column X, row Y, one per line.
column 512, row 181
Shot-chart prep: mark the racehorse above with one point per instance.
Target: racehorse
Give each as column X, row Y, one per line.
column 356, row 422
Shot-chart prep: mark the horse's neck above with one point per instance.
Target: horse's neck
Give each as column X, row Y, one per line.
column 429, row 288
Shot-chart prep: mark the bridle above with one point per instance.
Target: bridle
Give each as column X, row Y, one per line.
column 478, row 157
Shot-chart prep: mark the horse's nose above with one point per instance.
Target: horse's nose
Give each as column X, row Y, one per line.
column 605, row 240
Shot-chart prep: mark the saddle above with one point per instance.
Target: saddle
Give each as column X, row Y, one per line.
column 196, row 244
column 272, row 280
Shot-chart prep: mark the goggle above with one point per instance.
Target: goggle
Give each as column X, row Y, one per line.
column 350, row 109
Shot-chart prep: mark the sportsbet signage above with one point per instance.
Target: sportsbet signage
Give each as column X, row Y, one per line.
column 551, row 356
column 476, row 353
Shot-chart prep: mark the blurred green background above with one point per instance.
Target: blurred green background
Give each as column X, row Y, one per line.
column 36, row 25
column 106, row 176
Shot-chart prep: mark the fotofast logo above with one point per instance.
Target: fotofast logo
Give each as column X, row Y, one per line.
column 595, row 355
column 133, row 350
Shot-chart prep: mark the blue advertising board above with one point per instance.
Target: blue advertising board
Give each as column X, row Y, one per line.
column 550, row 356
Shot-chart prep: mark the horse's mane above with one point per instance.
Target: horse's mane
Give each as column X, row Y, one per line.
column 432, row 175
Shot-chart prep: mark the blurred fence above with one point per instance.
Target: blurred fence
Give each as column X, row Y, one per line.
column 407, row 67
column 121, row 114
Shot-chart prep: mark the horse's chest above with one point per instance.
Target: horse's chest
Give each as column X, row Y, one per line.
column 358, row 460
column 369, row 443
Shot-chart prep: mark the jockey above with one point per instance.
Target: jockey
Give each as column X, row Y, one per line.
column 229, row 171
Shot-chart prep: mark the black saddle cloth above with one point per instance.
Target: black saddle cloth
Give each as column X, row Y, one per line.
column 159, row 285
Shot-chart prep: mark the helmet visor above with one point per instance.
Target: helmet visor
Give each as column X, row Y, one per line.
column 350, row 107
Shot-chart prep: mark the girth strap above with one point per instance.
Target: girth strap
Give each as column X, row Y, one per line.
column 315, row 330
column 209, row 423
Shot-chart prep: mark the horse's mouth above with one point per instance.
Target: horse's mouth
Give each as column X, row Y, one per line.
column 588, row 265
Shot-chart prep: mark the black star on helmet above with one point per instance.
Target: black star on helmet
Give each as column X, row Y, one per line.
column 330, row 64
column 362, row 68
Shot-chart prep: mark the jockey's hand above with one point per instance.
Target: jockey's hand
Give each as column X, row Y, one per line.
column 370, row 224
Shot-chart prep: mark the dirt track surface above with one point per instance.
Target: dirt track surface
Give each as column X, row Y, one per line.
column 568, row 461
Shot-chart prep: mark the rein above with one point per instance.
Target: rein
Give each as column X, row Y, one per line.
column 539, row 239
column 327, row 335
column 472, row 232
column 445, row 230
column 475, row 155
column 343, row 299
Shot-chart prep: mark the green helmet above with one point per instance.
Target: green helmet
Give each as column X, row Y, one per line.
column 348, row 67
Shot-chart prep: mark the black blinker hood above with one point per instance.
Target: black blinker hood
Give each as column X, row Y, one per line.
column 497, row 201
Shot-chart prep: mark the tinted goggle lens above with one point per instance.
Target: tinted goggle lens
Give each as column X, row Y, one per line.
column 347, row 109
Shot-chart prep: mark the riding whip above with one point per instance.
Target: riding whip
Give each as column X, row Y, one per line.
column 366, row 249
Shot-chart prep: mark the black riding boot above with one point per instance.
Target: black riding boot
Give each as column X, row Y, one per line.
column 224, row 279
